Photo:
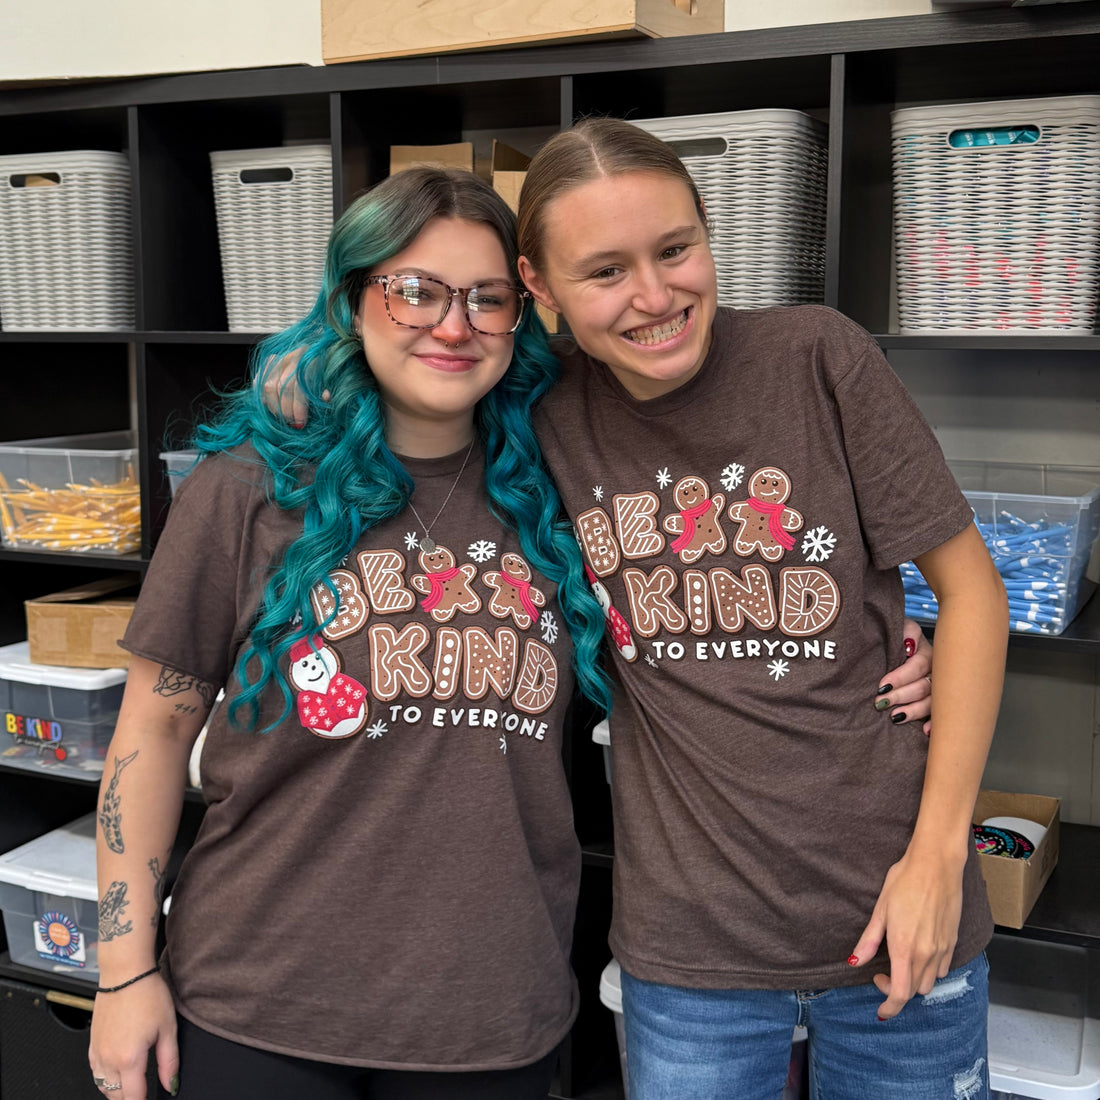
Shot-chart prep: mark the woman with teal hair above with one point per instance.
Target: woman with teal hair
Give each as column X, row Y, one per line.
column 380, row 900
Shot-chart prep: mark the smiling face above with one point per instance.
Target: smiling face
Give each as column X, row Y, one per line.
column 628, row 265
column 431, row 379
column 770, row 485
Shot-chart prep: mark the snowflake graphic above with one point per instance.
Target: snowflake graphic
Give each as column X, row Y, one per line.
column 778, row 669
column 664, row 478
column 411, row 541
column 503, row 743
column 818, row 545
column 549, row 627
column 651, row 660
column 732, row 475
column 375, row 731
column 482, row 550
column 597, row 492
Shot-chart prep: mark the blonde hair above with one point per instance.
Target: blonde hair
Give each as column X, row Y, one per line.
column 593, row 148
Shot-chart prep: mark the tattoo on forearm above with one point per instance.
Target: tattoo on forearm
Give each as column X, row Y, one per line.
column 110, row 912
column 173, row 682
column 110, row 819
column 158, row 888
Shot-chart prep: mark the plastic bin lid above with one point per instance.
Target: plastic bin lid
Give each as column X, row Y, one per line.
column 610, row 990
column 97, row 444
column 16, row 664
column 60, row 862
column 601, row 733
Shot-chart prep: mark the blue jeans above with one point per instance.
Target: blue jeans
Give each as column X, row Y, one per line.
column 735, row 1044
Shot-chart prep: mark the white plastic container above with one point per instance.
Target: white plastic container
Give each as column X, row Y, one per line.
column 274, row 211
column 56, row 719
column 1044, row 1031
column 997, row 216
column 177, row 465
column 601, row 734
column 762, row 176
column 48, row 895
column 66, row 251
column 76, row 493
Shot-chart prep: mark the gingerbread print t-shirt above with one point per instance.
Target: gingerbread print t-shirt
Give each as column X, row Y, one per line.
column 743, row 533
column 389, row 876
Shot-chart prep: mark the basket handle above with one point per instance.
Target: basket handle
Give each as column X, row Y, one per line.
column 20, row 180
column 994, row 137
column 266, row 175
column 713, row 146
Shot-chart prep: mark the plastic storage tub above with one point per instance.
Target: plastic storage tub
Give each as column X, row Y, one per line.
column 48, row 895
column 77, row 493
column 1041, row 524
column 177, row 465
column 762, row 176
column 274, row 216
column 1044, row 1035
column 997, row 216
column 56, row 719
column 66, row 254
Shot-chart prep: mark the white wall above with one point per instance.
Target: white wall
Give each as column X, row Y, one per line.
column 52, row 39
column 57, row 39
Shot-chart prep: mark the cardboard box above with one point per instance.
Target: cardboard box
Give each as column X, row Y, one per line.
column 1014, row 884
column 458, row 155
column 80, row 627
column 358, row 30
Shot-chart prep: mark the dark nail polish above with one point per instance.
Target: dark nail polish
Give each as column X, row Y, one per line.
column 884, row 689
column 897, row 718
column 174, row 1085
column 881, row 704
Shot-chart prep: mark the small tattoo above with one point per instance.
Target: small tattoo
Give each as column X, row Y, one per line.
column 110, row 819
column 158, row 888
column 173, row 682
column 110, row 913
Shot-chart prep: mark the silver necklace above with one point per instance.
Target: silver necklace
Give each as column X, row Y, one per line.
column 426, row 543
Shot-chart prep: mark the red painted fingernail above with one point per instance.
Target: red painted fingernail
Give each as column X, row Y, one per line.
column 853, row 960
column 881, row 1019
column 910, row 647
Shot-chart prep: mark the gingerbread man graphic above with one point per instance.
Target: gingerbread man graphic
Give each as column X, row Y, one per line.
column 513, row 593
column 764, row 518
column 330, row 704
column 446, row 586
column 698, row 523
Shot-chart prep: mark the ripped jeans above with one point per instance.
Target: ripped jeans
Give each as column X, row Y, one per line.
column 720, row 1044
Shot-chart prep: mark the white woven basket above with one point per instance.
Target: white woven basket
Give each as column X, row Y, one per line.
column 762, row 177
column 274, row 217
column 998, row 238
column 66, row 254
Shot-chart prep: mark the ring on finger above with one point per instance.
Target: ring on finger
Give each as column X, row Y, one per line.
column 928, row 678
column 102, row 1083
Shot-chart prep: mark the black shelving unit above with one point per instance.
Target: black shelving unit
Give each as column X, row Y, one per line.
column 850, row 74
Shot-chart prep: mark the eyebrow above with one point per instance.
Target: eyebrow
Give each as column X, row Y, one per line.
column 593, row 259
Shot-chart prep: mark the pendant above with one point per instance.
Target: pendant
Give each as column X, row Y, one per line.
column 427, row 545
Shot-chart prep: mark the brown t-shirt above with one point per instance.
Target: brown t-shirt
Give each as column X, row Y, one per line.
column 744, row 532
column 388, row 877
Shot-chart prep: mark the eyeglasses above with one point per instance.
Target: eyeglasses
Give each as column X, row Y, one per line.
column 416, row 302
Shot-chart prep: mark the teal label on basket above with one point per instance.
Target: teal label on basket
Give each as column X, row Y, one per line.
column 1003, row 135
column 57, row 937
column 38, row 735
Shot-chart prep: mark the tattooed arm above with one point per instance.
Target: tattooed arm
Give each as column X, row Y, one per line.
column 140, row 799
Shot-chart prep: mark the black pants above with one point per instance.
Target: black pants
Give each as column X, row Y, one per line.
column 212, row 1068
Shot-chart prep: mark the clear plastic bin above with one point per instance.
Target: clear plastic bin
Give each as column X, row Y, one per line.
column 56, row 719
column 1044, row 1035
column 48, row 895
column 177, row 465
column 77, row 493
column 1041, row 524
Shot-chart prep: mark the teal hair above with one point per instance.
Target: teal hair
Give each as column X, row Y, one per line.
column 339, row 472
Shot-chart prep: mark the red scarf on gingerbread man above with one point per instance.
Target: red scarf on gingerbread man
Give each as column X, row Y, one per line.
column 774, row 512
